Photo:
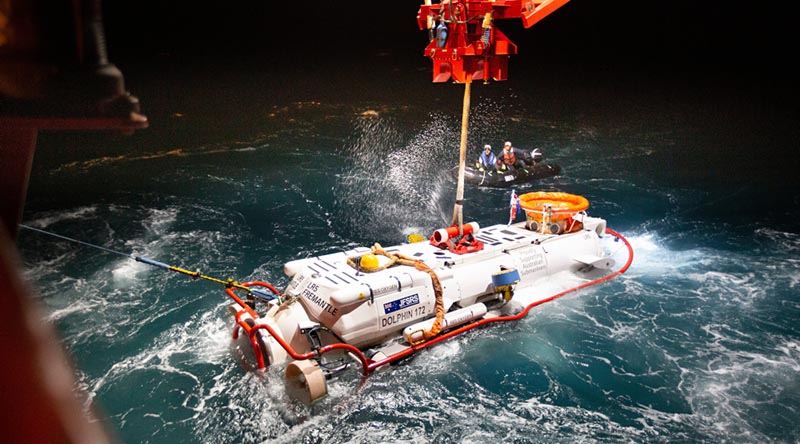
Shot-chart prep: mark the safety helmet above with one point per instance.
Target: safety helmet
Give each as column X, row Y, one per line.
column 508, row 143
column 487, row 147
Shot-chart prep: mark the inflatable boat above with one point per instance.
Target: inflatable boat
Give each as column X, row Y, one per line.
column 512, row 176
column 363, row 309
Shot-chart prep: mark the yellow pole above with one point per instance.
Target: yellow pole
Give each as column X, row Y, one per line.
column 458, row 218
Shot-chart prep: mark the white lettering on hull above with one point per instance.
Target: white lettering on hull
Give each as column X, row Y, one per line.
column 403, row 317
column 310, row 294
column 531, row 261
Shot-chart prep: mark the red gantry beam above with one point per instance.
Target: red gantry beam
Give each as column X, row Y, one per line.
column 465, row 44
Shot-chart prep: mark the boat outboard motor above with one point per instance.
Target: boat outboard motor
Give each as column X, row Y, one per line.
column 536, row 155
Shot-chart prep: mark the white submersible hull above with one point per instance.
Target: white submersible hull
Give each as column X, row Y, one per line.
column 372, row 305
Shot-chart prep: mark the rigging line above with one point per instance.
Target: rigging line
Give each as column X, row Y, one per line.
column 130, row 256
column 194, row 274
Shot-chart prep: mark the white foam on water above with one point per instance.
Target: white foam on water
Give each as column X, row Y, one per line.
column 720, row 376
column 50, row 218
column 125, row 272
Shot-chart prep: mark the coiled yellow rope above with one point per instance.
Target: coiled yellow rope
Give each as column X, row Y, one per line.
column 397, row 258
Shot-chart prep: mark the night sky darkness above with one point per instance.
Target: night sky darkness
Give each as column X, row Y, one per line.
column 683, row 43
column 743, row 39
column 225, row 63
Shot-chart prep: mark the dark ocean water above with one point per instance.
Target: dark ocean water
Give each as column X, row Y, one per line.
column 699, row 342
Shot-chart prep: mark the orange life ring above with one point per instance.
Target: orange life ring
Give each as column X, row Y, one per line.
column 562, row 205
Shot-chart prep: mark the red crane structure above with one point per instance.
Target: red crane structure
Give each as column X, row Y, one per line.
column 466, row 45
